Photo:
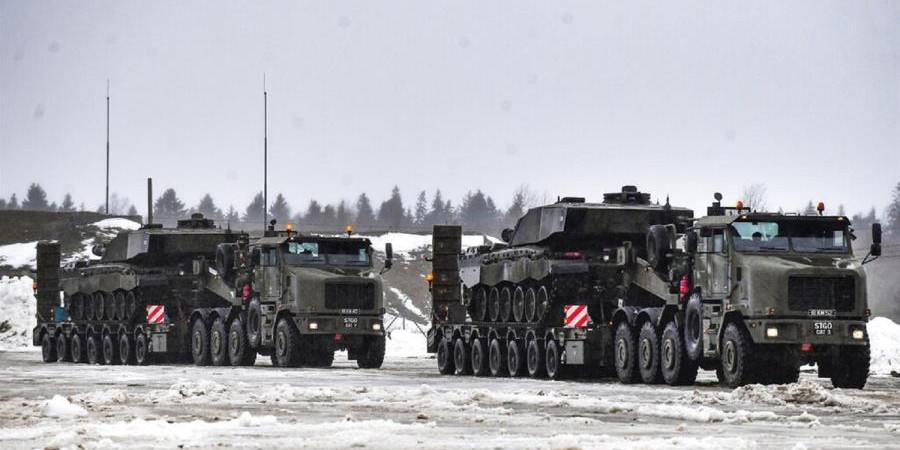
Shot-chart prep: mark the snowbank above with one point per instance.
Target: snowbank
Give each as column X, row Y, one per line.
column 17, row 305
column 117, row 223
column 884, row 336
column 18, row 255
column 59, row 406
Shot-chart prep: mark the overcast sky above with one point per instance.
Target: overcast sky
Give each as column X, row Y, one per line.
column 571, row 98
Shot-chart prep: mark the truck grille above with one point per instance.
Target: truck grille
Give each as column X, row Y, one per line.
column 350, row 296
column 838, row 293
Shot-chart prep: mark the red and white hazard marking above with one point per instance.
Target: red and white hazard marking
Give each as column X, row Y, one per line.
column 577, row 316
column 156, row 313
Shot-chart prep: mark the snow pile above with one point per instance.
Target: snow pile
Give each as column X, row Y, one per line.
column 196, row 388
column 59, row 406
column 106, row 397
column 884, row 336
column 804, row 393
column 18, row 255
column 17, row 305
column 407, row 343
column 117, row 223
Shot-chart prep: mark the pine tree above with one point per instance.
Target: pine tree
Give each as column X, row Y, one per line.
column 280, row 210
column 133, row 211
column 53, row 207
column 841, row 211
column 392, row 214
column 168, row 206
column 365, row 217
column 421, row 209
column 13, row 202
column 810, row 209
column 253, row 216
column 232, row 218
column 313, row 216
column 342, row 215
column 2, row 203
column 478, row 212
column 893, row 214
column 67, row 205
column 437, row 214
column 329, row 217
column 35, row 199
column 208, row 208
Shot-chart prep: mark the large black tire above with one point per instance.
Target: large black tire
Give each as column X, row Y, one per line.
column 94, row 350
column 515, row 358
column 505, row 305
column 372, row 354
column 48, row 348
column 851, row 370
column 648, row 354
column 225, row 260
column 625, row 354
column 254, row 323
column 518, row 304
column 494, row 305
column 479, row 358
column 779, row 374
column 534, row 355
column 126, row 349
column 693, row 328
column 141, row 350
column 737, row 356
column 62, row 348
column 677, row 368
column 76, row 348
column 218, row 343
column 288, row 351
column 445, row 357
column 239, row 351
column 324, row 357
column 461, row 358
column 110, row 350
column 553, row 361
column 200, row 343
column 658, row 248
column 497, row 358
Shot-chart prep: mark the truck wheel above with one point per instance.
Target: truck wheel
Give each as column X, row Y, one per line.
column 445, row 357
column 141, row 350
column 784, row 375
column 218, row 343
column 677, row 368
column 515, row 358
column 254, row 323
column 76, row 347
column 535, row 359
column 737, row 356
column 494, row 304
column 658, row 247
column 62, row 348
column 693, row 328
column 48, row 348
column 553, row 358
column 200, row 343
column 94, row 350
column 287, row 344
column 648, row 354
column 239, row 351
column 851, row 369
column 479, row 358
column 530, row 305
column 372, row 355
column 110, row 350
column 625, row 354
column 461, row 357
column 126, row 349
column 505, row 304
column 497, row 358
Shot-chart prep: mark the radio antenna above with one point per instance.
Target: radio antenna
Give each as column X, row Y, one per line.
column 265, row 154
column 107, row 146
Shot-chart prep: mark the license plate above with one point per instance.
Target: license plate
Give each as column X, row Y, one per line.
column 823, row 328
column 351, row 322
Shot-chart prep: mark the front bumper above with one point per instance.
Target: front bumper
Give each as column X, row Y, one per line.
column 819, row 331
column 340, row 324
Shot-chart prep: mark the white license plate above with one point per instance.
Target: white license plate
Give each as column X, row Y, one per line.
column 823, row 328
column 351, row 322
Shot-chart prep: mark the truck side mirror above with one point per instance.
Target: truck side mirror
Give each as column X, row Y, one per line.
column 876, row 233
column 690, row 241
column 389, row 256
column 506, row 235
column 875, row 250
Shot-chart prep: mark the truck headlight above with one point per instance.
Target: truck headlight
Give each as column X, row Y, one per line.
column 313, row 326
column 376, row 326
column 858, row 334
column 772, row 332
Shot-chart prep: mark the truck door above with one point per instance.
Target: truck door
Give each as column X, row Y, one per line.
column 272, row 273
column 713, row 263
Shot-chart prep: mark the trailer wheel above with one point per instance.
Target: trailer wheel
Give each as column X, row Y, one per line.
column 287, row 344
column 494, row 304
column 200, row 343
column 648, row 354
column 62, row 348
column 497, row 358
column 218, row 343
column 851, row 369
column 239, row 351
column 553, row 357
column 94, row 350
column 76, row 347
column 534, row 359
column 479, row 358
column 110, row 350
column 445, row 357
column 625, row 354
column 461, row 357
column 518, row 304
column 141, row 349
column 677, row 368
column 693, row 328
column 126, row 349
column 737, row 356
column 372, row 355
column 515, row 358
column 48, row 348
column 254, row 323
column 658, row 247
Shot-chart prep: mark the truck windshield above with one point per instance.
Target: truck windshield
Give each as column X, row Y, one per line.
column 799, row 236
column 326, row 253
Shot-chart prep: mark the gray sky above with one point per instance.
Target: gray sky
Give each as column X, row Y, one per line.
column 572, row 98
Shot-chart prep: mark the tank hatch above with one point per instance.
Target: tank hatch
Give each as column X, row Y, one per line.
column 197, row 221
column 629, row 196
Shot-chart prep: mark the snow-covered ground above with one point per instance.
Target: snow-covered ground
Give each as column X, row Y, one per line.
column 17, row 309
column 18, row 255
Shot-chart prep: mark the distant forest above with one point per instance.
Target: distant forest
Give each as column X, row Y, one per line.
column 476, row 212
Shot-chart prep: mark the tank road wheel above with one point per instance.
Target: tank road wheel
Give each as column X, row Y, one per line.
column 677, row 368
column 48, row 348
column 445, row 357
column 481, row 305
column 126, row 349
column 494, row 304
column 109, row 305
column 515, row 358
column 200, row 343
column 461, row 357
column 110, row 350
column 737, row 356
column 97, row 303
column 518, row 304
column 625, row 354
column 553, row 358
column 479, row 358
column 218, row 343
column 76, row 348
column 851, row 369
column 88, row 302
column 497, row 358
column 254, row 323
column 287, row 344
column 76, row 307
column 131, row 306
column 239, row 351
column 141, row 350
column 693, row 328
column 542, row 304
column 530, row 305
column 534, row 359
column 648, row 354
column 505, row 304
column 372, row 355
column 94, row 349
column 62, row 348
column 120, row 305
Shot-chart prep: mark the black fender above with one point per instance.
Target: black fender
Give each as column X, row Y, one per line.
column 624, row 314
column 651, row 315
column 670, row 314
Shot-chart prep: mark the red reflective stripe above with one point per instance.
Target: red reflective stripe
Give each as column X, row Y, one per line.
column 576, row 316
column 156, row 313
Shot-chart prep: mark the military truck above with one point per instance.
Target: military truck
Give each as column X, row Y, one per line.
column 212, row 296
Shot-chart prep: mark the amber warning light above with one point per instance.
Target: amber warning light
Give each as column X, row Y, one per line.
column 429, row 277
